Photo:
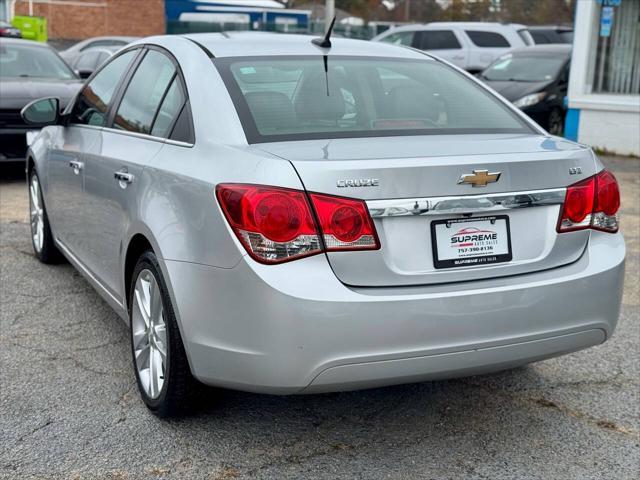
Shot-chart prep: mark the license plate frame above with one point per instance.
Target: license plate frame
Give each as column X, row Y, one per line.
column 495, row 253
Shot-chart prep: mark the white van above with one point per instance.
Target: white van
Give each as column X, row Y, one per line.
column 469, row 45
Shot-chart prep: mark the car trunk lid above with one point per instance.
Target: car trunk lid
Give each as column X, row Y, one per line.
column 411, row 188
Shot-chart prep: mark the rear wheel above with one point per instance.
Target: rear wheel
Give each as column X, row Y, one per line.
column 159, row 359
column 555, row 124
column 41, row 237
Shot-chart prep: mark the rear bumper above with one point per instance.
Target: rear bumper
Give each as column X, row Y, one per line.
column 295, row 328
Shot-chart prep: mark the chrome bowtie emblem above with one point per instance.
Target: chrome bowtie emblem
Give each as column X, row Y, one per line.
column 479, row 178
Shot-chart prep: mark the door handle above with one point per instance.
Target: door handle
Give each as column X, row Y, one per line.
column 123, row 177
column 76, row 165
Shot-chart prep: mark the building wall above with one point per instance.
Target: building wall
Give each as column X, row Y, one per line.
column 78, row 19
column 614, row 131
column 606, row 120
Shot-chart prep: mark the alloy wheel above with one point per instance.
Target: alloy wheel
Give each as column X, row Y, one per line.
column 36, row 214
column 149, row 334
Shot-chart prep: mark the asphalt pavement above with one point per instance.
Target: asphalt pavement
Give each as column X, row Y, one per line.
column 69, row 407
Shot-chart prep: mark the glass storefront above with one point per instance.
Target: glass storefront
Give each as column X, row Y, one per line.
column 617, row 62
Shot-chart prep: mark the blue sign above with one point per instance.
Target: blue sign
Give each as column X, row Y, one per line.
column 610, row 3
column 606, row 19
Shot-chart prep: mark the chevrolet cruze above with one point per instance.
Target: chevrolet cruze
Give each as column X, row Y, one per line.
column 275, row 215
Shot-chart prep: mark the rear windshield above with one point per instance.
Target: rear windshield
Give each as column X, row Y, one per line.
column 304, row 98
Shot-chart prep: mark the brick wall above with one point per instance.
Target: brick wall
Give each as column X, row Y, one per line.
column 78, row 19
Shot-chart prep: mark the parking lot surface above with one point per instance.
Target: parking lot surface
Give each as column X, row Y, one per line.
column 69, row 407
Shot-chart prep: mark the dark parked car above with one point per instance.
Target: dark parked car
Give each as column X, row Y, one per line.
column 28, row 70
column 545, row 34
column 8, row 30
column 535, row 79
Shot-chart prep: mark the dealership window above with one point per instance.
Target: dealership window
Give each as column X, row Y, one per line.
column 617, row 65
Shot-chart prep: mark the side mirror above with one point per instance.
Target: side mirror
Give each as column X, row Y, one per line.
column 42, row 112
column 84, row 73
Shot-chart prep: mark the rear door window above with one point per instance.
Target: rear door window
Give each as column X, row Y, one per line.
column 145, row 93
column 171, row 107
column 437, row 40
column 93, row 102
column 487, row 39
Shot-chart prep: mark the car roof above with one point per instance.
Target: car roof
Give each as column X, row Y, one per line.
column 107, row 48
column 241, row 44
column 480, row 25
column 557, row 28
column 21, row 41
column 562, row 49
column 110, row 37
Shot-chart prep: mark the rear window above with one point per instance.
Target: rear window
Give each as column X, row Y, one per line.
column 552, row 36
column 487, row 39
column 292, row 98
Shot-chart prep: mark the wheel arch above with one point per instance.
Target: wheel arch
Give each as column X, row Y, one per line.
column 138, row 244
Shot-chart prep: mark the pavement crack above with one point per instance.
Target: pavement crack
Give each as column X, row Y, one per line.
column 580, row 415
column 51, row 356
column 297, row 459
column 34, row 430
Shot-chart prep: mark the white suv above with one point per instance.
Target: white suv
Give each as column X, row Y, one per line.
column 469, row 45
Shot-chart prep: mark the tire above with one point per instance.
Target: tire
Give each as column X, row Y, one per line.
column 555, row 122
column 42, row 242
column 166, row 385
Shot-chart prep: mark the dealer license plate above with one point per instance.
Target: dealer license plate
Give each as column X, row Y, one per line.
column 468, row 242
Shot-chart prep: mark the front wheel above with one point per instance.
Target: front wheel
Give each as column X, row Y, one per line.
column 159, row 359
column 41, row 237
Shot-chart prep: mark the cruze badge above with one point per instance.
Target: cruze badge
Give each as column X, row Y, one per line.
column 358, row 182
column 479, row 178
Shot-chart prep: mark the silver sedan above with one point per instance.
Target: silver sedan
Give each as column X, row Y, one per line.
column 274, row 215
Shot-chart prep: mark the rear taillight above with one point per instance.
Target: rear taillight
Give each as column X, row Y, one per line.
column 278, row 224
column 591, row 203
column 345, row 223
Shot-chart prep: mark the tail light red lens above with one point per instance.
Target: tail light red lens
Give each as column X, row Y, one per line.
column 274, row 224
column 591, row 203
column 608, row 200
column 345, row 223
column 578, row 203
column 277, row 224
